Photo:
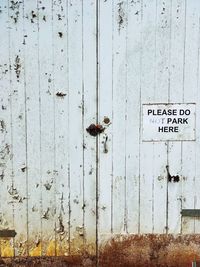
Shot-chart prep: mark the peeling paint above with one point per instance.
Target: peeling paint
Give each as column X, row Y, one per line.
column 48, row 185
column 2, row 126
column 23, row 169
column 17, row 67
column 46, row 214
column 2, row 175
column 5, row 152
column 60, row 34
column 15, row 5
column 121, row 15
column 60, row 94
column 61, row 228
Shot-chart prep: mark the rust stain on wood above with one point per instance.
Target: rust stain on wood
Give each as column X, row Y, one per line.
column 151, row 250
column 50, row 261
column 95, row 129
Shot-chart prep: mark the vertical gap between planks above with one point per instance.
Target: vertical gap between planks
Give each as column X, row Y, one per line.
column 140, row 115
column 125, row 130
column 54, row 126
column 125, row 135
column 40, row 121
column 68, row 137
column 26, row 143
column 97, row 138
column 155, row 77
column 183, row 99
column 168, row 142
column 112, row 123
column 196, row 149
column 83, row 128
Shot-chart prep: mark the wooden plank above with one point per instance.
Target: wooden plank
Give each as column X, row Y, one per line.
column 197, row 147
column 61, row 95
column 47, row 130
column 176, row 87
column 147, row 76
column 32, row 84
column 18, row 188
column 89, row 115
column 190, row 92
column 75, row 124
column 120, row 21
column 106, row 117
column 133, row 116
column 161, row 94
column 6, row 169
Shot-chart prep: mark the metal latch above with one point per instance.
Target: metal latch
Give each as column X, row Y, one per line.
column 190, row 212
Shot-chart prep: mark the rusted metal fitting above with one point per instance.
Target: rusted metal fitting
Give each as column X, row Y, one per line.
column 95, row 129
column 172, row 178
column 7, row 233
column 106, row 120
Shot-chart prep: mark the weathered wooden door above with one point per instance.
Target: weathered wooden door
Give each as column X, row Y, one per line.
column 71, row 65
column 48, row 98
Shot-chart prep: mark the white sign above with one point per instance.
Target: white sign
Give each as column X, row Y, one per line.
column 173, row 122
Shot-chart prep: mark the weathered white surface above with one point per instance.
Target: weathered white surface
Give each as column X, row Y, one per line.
column 65, row 65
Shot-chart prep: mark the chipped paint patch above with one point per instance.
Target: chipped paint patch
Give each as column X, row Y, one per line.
column 17, row 67
column 121, row 15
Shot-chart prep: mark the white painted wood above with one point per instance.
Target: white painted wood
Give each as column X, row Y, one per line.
column 119, row 115
column 176, row 85
column 197, row 147
column 70, row 64
column 6, row 169
column 161, row 94
column 134, row 15
column 18, row 188
column 47, row 126
column 61, row 95
column 75, row 52
column 147, row 76
column 89, row 110
column 105, row 111
column 190, row 90
column 32, row 86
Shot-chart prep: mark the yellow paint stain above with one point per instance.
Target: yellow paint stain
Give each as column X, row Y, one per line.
column 37, row 251
column 54, row 249
column 62, row 249
column 51, row 248
column 6, row 249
